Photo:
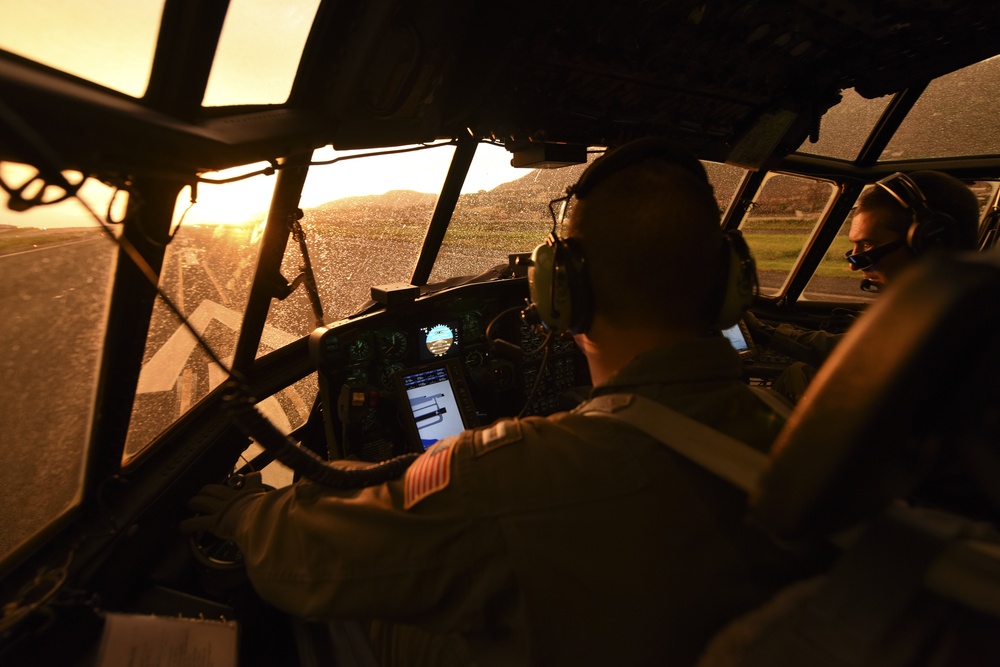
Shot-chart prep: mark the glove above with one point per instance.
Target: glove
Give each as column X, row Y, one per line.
column 215, row 501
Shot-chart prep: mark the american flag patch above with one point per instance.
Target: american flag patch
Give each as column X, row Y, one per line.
column 430, row 473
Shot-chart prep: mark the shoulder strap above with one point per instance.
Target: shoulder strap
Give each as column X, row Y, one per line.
column 726, row 457
column 967, row 570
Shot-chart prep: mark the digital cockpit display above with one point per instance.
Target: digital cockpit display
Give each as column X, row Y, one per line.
column 439, row 340
column 739, row 337
column 736, row 338
column 435, row 402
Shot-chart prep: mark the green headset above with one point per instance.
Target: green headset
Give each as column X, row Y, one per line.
column 561, row 293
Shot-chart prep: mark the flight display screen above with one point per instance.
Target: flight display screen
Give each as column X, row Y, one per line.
column 736, row 338
column 739, row 338
column 435, row 404
column 439, row 340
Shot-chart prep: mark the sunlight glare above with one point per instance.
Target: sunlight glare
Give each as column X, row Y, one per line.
column 420, row 171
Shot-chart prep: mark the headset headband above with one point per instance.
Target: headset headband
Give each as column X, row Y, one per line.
column 617, row 159
column 929, row 227
column 909, row 195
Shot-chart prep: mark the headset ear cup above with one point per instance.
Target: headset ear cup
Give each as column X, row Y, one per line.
column 541, row 274
column 930, row 229
column 740, row 283
column 559, row 286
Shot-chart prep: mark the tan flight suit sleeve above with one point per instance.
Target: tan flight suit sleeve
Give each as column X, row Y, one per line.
column 319, row 553
column 812, row 347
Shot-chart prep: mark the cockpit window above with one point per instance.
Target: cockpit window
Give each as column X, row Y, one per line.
column 254, row 63
column 110, row 43
column 955, row 116
column 502, row 210
column 844, row 129
column 833, row 279
column 207, row 272
column 780, row 222
column 364, row 222
column 56, row 266
column 725, row 180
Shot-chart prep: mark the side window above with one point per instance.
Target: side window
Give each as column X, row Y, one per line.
column 725, row 180
column 207, row 271
column 57, row 264
column 779, row 224
column 833, row 279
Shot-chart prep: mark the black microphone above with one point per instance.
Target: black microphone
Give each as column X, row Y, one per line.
column 869, row 286
column 530, row 315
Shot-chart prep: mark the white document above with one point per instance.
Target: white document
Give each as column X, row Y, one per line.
column 132, row 640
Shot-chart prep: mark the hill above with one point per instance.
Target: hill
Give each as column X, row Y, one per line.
column 520, row 202
column 524, row 202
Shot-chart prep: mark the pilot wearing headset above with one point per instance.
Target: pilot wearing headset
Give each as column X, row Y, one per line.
column 896, row 221
column 572, row 538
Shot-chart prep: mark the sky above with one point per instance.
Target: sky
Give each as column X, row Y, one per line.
column 237, row 202
column 423, row 171
column 112, row 43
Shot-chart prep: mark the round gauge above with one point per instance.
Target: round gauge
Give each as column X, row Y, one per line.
column 531, row 337
column 388, row 373
column 439, row 339
column 357, row 376
column 472, row 326
column 474, row 359
column 360, row 349
column 392, row 345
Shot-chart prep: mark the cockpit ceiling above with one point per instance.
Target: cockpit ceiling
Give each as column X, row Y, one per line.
column 725, row 77
column 701, row 71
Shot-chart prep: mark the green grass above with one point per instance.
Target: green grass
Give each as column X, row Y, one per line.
column 790, row 224
column 775, row 242
column 516, row 240
column 778, row 252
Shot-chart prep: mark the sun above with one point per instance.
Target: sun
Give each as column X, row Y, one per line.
column 247, row 200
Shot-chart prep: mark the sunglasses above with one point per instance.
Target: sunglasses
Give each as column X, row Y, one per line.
column 869, row 258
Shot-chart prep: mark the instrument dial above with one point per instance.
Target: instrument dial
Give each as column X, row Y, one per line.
column 474, row 359
column 357, row 375
column 393, row 345
column 360, row 350
column 388, row 373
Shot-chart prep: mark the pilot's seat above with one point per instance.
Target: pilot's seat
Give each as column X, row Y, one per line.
column 893, row 453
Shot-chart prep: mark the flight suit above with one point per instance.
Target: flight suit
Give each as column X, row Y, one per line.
column 804, row 344
column 810, row 348
column 569, row 539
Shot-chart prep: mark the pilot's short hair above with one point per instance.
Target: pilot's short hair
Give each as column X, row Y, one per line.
column 651, row 238
column 945, row 194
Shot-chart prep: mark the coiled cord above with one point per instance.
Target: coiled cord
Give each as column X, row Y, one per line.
column 244, row 414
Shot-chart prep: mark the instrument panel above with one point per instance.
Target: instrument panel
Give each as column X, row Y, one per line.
column 477, row 329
